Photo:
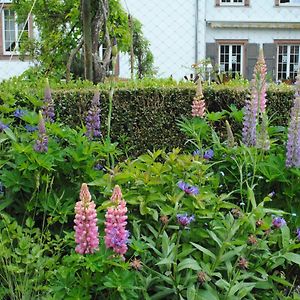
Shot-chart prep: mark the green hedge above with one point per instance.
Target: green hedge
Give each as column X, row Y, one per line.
column 145, row 111
column 147, row 115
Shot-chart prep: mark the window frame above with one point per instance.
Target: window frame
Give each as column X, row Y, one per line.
column 288, row 4
column 16, row 31
column 231, row 43
column 231, row 3
column 288, row 44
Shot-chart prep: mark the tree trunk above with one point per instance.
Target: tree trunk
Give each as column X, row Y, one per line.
column 70, row 60
column 87, row 39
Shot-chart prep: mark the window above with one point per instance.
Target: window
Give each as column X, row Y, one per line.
column 235, row 2
column 12, row 38
column 288, row 2
column 288, row 61
column 231, row 58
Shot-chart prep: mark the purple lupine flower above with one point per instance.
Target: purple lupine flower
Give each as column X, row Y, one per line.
column 187, row 188
column 184, row 220
column 256, row 105
column 2, row 126
column 293, row 143
column 208, row 154
column 30, row 128
column 19, row 113
column 41, row 144
column 278, row 222
column 48, row 107
column 93, row 117
column 250, row 121
column 298, row 233
column 116, row 235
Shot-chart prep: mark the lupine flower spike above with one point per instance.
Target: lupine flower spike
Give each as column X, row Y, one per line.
column 93, row 118
column 86, row 230
column 41, row 144
column 48, row 107
column 293, row 143
column 256, row 106
column 198, row 106
column 230, row 137
column 116, row 235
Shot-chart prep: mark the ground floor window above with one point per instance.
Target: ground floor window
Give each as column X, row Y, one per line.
column 287, row 61
column 231, row 58
column 12, row 32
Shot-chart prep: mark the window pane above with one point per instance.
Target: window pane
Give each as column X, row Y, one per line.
column 9, row 30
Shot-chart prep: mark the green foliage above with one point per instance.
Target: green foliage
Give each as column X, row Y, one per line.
column 60, row 29
column 230, row 250
column 144, row 57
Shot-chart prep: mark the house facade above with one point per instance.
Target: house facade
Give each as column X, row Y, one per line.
column 236, row 29
column 183, row 32
column 229, row 32
column 11, row 34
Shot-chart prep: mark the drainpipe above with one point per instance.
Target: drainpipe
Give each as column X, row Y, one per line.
column 196, row 29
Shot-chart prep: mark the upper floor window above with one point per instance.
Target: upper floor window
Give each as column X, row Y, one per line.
column 287, row 61
column 234, row 2
column 289, row 2
column 12, row 31
column 231, row 58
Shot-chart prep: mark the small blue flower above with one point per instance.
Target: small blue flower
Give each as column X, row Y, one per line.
column 298, row 233
column 31, row 128
column 184, row 220
column 2, row 126
column 19, row 113
column 208, row 154
column 278, row 222
column 98, row 167
column 187, row 188
column 197, row 152
column 272, row 194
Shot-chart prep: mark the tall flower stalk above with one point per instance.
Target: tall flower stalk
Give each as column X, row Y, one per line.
column 41, row 144
column 93, row 117
column 116, row 235
column 198, row 106
column 255, row 107
column 86, row 230
column 293, row 143
column 48, row 104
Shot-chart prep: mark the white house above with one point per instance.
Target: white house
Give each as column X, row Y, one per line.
column 182, row 32
column 10, row 39
column 229, row 32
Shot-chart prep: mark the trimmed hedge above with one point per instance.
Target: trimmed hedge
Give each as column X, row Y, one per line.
column 148, row 115
column 145, row 111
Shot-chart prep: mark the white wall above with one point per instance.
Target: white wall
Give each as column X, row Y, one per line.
column 12, row 68
column 169, row 25
column 258, row 11
column 258, row 36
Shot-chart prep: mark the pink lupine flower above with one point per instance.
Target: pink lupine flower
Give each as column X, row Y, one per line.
column 86, row 229
column 259, row 87
column 198, row 106
column 116, row 235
